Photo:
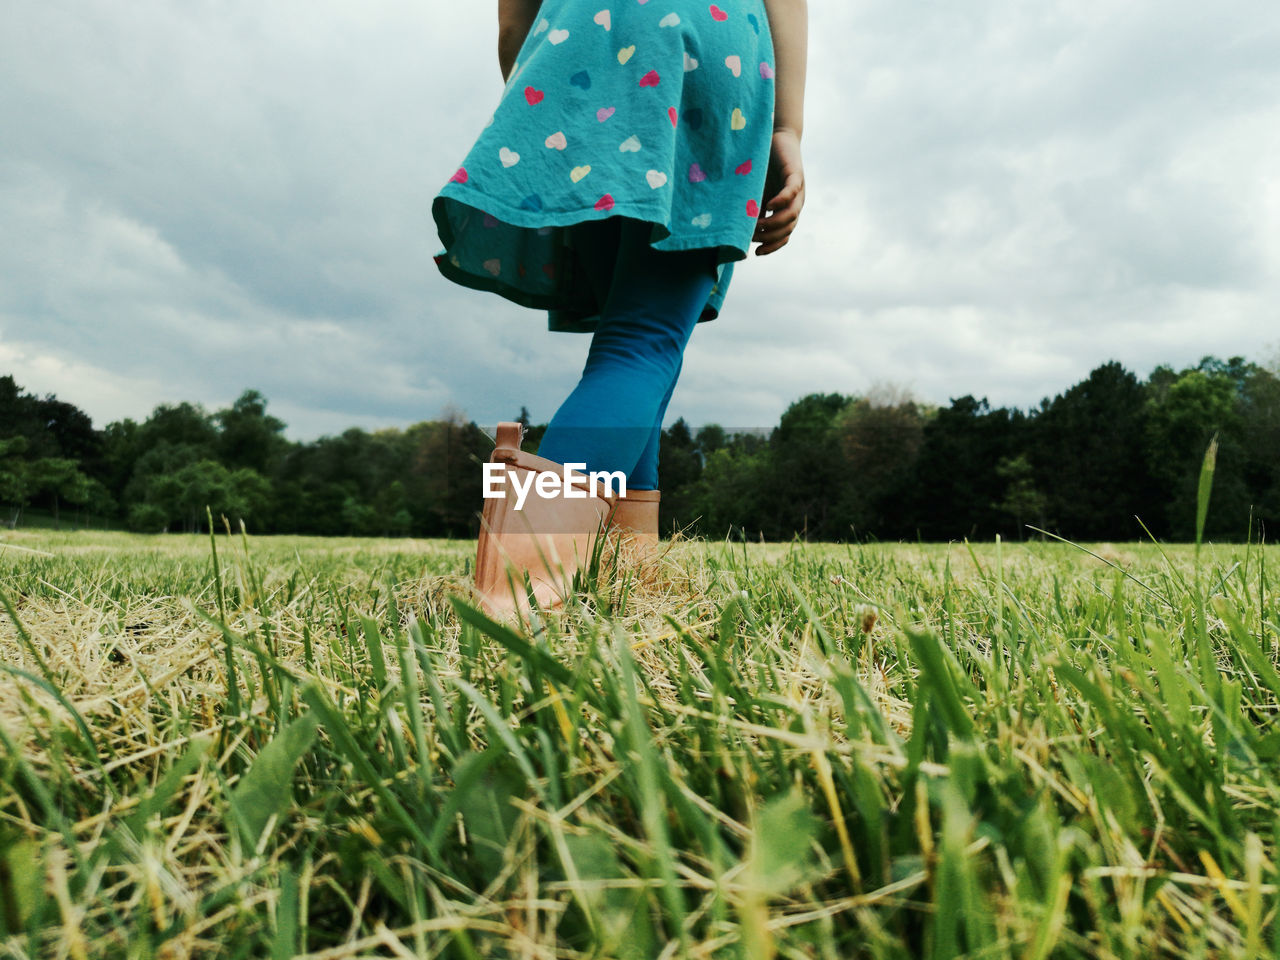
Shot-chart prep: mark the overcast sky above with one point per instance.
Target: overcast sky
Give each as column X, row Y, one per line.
column 199, row 196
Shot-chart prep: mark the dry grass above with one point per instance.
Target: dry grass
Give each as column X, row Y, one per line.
column 310, row 748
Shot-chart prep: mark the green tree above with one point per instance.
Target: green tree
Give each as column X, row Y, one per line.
column 121, row 448
column 956, row 488
column 51, row 427
column 359, row 519
column 209, row 486
column 679, row 468
column 154, row 476
column 1183, row 416
column 392, row 508
column 62, row 480
column 1021, row 500
column 23, row 479
column 199, row 487
column 1089, row 454
column 248, row 435
column 728, row 498
column 147, row 518
column 442, row 483
column 180, row 425
column 15, row 485
column 807, row 475
column 710, row 438
column 100, row 505
column 1260, row 427
column 879, row 440
column 248, row 497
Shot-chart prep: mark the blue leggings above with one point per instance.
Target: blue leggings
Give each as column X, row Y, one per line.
column 651, row 300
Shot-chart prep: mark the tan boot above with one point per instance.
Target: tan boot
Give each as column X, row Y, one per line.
column 638, row 513
column 549, row 538
column 636, row 523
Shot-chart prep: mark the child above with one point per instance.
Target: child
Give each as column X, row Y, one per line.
column 639, row 148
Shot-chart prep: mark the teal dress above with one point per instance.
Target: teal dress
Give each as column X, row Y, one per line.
column 658, row 110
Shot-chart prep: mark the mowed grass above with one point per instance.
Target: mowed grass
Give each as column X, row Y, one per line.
column 305, row 747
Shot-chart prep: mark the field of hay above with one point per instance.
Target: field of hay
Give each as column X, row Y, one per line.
column 288, row 747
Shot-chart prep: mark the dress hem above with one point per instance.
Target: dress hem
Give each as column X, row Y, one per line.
column 536, row 219
column 561, row 319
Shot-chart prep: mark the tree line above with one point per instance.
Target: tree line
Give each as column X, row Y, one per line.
column 1112, row 458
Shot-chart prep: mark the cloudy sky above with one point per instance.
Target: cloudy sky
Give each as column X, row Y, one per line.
column 199, row 196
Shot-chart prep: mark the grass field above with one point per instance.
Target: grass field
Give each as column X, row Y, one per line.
column 303, row 747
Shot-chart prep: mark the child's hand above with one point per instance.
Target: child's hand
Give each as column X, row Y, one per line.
column 784, row 194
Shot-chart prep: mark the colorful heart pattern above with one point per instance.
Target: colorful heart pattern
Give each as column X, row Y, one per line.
column 560, row 96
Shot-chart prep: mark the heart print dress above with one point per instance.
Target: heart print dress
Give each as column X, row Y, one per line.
column 659, row 110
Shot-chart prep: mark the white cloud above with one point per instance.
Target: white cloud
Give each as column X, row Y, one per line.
column 208, row 197
column 110, row 395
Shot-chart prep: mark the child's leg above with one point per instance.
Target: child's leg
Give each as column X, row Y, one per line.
column 611, row 419
column 645, row 476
